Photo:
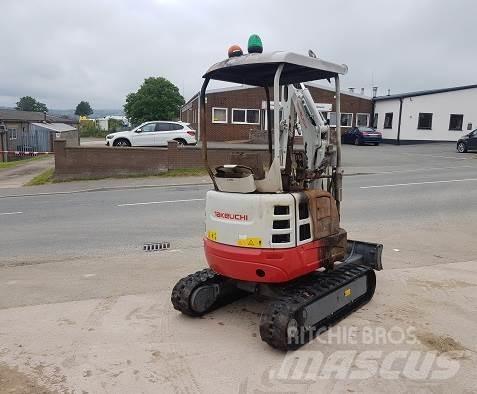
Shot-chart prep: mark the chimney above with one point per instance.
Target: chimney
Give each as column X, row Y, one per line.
column 44, row 116
column 351, row 90
column 362, row 91
column 389, row 92
column 375, row 91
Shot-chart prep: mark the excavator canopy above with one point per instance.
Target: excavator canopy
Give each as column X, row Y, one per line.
column 258, row 69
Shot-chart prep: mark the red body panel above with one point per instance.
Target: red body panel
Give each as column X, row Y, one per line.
column 263, row 265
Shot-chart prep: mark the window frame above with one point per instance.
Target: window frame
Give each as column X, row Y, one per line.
column 392, row 118
column 10, row 131
column 375, row 120
column 226, row 115
column 246, row 111
column 367, row 119
column 419, row 120
column 346, row 113
column 461, row 123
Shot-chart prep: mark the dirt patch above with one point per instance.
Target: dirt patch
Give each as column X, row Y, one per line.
column 13, row 381
column 442, row 344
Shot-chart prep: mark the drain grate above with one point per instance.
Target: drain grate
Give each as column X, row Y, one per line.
column 156, row 246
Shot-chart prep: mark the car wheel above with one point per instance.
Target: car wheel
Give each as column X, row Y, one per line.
column 180, row 141
column 461, row 147
column 356, row 141
column 124, row 143
column 376, row 144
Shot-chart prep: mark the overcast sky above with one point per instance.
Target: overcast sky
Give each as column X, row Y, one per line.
column 64, row 51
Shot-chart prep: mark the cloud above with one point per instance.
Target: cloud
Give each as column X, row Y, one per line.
column 64, row 52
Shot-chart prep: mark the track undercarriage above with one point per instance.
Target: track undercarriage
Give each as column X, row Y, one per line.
column 296, row 311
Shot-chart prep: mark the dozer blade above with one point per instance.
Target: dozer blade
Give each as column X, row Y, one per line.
column 310, row 305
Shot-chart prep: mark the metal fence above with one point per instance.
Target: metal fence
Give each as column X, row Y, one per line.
column 31, row 140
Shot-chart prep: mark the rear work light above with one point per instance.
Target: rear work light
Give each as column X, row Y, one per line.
column 191, row 132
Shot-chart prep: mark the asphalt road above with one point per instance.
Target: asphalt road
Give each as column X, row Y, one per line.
column 400, row 187
column 84, row 309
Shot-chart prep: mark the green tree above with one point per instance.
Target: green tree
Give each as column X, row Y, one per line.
column 28, row 103
column 156, row 99
column 83, row 109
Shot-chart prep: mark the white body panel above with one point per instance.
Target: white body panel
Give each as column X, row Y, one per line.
column 239, row 219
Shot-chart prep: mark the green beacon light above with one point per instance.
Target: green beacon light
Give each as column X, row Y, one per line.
column 255, row 44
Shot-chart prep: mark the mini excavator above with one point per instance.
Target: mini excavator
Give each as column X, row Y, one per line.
column 272, row 225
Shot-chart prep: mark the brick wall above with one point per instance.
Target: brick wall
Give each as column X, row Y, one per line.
column 252, row 98
column 98, row 162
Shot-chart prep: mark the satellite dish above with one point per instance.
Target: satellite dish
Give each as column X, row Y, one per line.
column 311, row 53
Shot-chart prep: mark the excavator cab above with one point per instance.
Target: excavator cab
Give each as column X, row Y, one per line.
column 273, row 218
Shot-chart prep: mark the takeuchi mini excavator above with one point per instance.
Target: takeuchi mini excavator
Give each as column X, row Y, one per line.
column 273, row 220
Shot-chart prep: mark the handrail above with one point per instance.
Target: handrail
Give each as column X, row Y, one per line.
column 203, row 129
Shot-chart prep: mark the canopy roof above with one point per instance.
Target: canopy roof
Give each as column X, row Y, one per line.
column 258, row 69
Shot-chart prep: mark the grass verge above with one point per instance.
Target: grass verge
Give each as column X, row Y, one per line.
column 43, row 178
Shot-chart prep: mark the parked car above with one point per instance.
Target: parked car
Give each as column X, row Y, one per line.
column 362, row 135
column 156, row 133
column 467, row 142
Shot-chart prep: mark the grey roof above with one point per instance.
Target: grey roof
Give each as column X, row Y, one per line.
column 258, row 69
column 56, row 127
column 29, row 116
column 424, row 92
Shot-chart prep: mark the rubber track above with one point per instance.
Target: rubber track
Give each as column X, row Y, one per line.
column 303, row 292
column 184, row 288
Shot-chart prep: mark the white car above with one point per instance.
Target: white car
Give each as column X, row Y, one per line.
column 155, row 133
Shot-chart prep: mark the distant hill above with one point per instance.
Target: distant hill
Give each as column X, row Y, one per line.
column 98, row 113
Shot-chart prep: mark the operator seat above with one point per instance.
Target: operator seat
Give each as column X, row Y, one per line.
column 240, row 176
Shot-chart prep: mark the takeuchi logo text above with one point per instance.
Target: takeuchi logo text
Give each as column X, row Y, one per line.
column 231, row 216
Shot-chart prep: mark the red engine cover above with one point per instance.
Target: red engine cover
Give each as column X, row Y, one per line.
column 264, row 265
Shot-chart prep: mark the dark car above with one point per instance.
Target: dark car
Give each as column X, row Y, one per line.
column 362, row 135
column 467, row 142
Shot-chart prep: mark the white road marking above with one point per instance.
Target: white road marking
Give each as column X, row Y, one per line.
column 416, row 170
column 11, row 213
column 159, row 202
column 419, row 183
column 11, row 282
column 440, row 157
column 88, row 275
column 396, row 250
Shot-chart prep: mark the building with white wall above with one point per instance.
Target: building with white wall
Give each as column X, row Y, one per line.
column 430, row 115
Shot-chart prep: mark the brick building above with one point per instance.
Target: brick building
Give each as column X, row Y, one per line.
column 233, row 114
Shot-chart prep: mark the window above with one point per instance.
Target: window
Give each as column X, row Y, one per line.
column 163, row 126
column 469, row 126
column 388, row 120
column 375, row 121
column 245, row 116
column 346, row 120
column 425, row 121
column 219, row 115
column 455, row 122
column 147, row 128
column 175, row 126
column 362, row 120
column 12, row 133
